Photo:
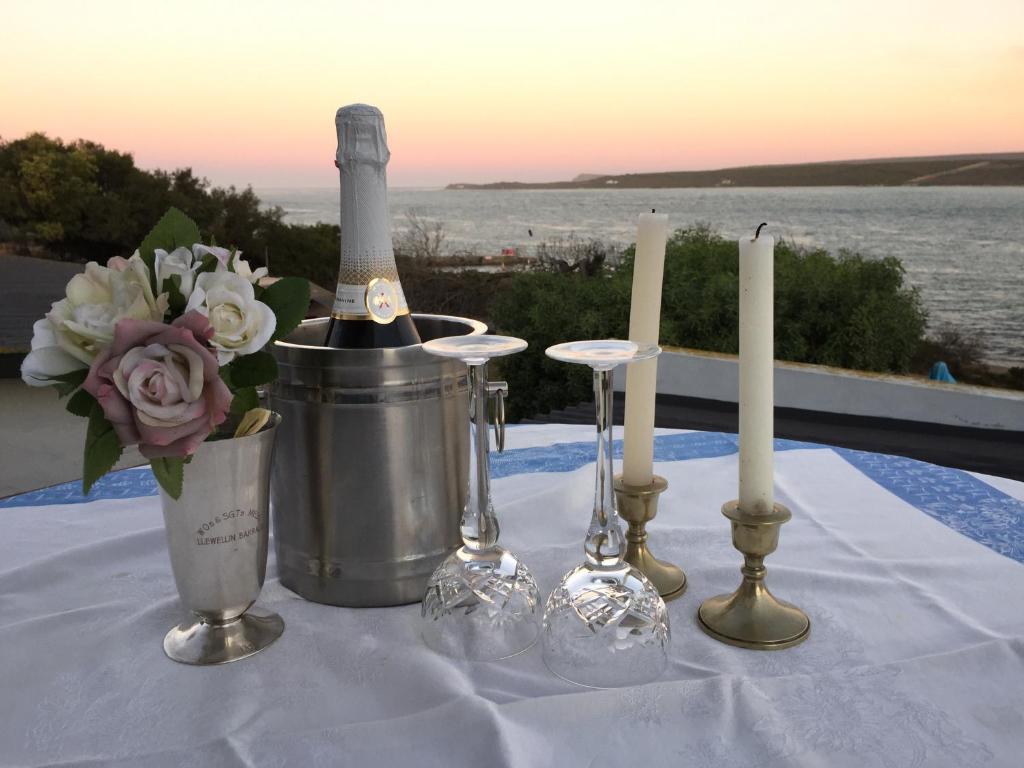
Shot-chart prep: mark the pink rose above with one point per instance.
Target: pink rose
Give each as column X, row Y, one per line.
column 158, row 385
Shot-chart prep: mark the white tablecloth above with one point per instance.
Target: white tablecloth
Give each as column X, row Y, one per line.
column 911, row 575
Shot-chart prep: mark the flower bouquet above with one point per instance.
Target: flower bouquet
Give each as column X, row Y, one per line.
column 163, row 349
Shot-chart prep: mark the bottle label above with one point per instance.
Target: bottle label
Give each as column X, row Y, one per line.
column 380, row 300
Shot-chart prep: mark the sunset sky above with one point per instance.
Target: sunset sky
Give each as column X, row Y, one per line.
column 245, row 92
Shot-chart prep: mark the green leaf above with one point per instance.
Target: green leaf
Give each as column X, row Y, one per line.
column 81, row 403
column 64, row 389
column 102, row 448
column 209, row 264
column 173, row 230
column 289, row 298
column 225, row 373
column 170, row 473
column 69, row 382
column 253, row 370
column 245, row 399
column 175, row 298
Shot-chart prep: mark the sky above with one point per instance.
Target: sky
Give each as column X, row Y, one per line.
column 245, row 92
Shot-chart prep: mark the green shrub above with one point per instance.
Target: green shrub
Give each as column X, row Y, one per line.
column 547, row 308
column 846, row 311
column 304, row 251
column 461, row 292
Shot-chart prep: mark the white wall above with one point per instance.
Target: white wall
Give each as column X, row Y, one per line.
column 688, row 373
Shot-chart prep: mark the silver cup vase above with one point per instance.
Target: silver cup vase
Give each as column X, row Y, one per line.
column 217, row 536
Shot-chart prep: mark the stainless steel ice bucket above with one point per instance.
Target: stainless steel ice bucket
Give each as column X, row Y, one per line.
column 369, row 478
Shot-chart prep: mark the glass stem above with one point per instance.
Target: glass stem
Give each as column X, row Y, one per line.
column 479, row 525
column 605, row 545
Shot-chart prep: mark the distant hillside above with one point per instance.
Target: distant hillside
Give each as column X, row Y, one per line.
column 1005, row 169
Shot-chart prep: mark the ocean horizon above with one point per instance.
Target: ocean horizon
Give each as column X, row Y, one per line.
column 962, row 247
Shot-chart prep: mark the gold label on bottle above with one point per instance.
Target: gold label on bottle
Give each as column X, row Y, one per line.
column 353, row 302
column 382, row 300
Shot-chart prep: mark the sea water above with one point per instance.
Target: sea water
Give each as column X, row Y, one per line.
column 963, row 247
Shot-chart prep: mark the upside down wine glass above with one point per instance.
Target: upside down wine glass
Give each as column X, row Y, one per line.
column 605, row 625
column 481, row 603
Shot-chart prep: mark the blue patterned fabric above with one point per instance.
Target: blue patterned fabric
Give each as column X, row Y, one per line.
column 568, row 457
column 127, row 484
column 951, row 496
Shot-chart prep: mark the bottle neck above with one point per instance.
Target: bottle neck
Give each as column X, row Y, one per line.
column 366, row 250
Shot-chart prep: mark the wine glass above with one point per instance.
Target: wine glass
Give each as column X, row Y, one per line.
column 482, row 602
column 605, row 625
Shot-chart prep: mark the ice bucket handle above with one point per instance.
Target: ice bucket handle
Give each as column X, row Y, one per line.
column 498, row 390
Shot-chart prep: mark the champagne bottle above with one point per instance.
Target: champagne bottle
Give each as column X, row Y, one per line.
column 369, row 305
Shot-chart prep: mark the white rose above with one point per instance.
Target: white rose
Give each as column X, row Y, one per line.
column 241, row 267
column 178, row 262
column 80, row 325
column 83, row 322
column 223, row 255
column 226, row 262
column 133, row 278
column 82, row 330
column 131, row 290
column 241, row 325
column 46, row 359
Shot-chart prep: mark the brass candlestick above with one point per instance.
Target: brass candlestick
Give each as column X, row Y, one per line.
column 751, row 617
column 637, row 505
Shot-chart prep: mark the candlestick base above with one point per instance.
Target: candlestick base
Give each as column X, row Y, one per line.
column 637, row 505
column 751, row 617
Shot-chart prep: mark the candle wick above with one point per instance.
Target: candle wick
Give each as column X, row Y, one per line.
column 757, row 232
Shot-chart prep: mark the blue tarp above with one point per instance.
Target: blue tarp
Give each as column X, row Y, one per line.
column 940, row 372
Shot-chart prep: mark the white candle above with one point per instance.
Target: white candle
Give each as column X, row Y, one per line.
column 644, row 321
column 757, row 258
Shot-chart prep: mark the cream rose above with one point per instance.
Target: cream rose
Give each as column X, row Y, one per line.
column 241, row 324
column 47, row 359
column 80, row 325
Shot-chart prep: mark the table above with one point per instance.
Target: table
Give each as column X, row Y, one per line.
column 912, row 575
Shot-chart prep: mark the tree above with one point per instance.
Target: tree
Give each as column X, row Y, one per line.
column 573, row 254
column 421, row 239
column 84, row 201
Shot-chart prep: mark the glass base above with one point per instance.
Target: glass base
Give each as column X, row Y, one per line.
column 606, row 628
column 198, row 642
column 482, row 606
